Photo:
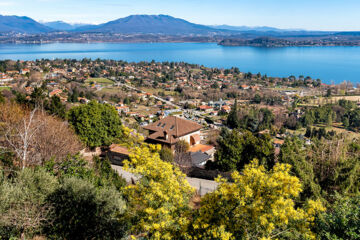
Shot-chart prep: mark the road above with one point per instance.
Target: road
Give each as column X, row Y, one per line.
column 156, row 97
column 185, row 111
column 201, row 185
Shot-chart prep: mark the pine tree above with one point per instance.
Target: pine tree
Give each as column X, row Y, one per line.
column 233, row 120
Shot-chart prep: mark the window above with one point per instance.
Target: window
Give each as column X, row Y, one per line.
column 159, row 124
column 163, row 125
column 172, row 127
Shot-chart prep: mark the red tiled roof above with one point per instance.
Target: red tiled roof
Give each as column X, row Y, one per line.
column 204, row 107
column 279, row 141
column 170, row 128
column 200, row 148
column 119, row 149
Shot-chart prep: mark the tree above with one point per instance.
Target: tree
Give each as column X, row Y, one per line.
column 238, row 149
column 96, row 124
column 159, row 201
column 354, row 119
column 324, row 167
column 267, row 119
column 329, row 120
column 328, row 93
column 294, row 153
column 181, row 148
column 232, row 120
column 20, row 136
column 229, row 150
column 215, row 85
column 166, row 155
column 37, row 98
column 259, row 204
column 346, row 122
column 308, row 132
column 23, row 208
column 80, row 211
column 309, row 118
column 257, row 99
column 291, row 122
column 341, row 221
column 35, row 137
column 56, row 107
column 2, row 99
column 126, row 101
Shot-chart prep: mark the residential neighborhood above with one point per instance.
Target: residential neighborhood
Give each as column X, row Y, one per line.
column 168, row 102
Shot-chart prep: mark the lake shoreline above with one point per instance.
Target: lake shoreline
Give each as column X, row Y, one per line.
column 330, row 64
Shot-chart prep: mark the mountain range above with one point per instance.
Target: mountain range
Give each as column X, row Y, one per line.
column 246, row 28
column 153, row 24
column 133, row 24
column 21, row 25
column 63, row 26
column 147, row 24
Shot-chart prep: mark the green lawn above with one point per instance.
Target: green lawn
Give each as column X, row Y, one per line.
column 4, row 88
column 285, row 89
column 99, row 80
column 107, row 90
column 337, row 127
column 157, row 90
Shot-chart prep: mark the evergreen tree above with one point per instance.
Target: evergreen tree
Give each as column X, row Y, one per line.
column 235, row 150
column 233, row 120
column 96, row 124
column 2, row 99
column 56, row 107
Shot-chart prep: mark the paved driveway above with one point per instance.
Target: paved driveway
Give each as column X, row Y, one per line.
column 201, row 185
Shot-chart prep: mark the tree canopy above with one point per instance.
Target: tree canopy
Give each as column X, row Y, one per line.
column 258, row 205
column 324, row 167
column 236, row 149
column 96, row 124
column 159, row 201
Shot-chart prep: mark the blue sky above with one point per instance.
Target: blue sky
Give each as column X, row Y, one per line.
column 303, row 14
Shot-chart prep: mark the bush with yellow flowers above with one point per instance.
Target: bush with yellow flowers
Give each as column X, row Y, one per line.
column 259, row 204
column 159, row 201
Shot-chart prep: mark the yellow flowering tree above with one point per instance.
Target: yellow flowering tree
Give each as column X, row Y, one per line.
column 130, row 138
column 258, row 205
column 159, row 201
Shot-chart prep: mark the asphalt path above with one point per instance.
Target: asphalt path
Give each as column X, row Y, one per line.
column 203, row 186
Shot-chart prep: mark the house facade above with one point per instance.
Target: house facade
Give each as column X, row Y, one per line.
column 169, row 130
column 117, row 154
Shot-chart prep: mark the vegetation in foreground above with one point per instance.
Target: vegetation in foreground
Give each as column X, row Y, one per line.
column 307, row 192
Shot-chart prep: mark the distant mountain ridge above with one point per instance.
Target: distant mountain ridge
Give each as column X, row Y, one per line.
column 246, row 28
column 152, row 24
column 22, row 25
column 63, row 26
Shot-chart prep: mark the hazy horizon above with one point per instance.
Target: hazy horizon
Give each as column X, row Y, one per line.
column 322, row 15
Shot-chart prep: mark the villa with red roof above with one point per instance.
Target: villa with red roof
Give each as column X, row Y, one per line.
column 168, row 131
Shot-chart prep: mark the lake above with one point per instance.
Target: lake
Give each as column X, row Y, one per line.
column 330, row 64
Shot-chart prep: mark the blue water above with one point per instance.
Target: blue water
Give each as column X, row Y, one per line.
column 330, row 64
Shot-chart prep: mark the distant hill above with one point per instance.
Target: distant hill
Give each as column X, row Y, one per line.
column 152, row 24
column 63, row 26
column 21, row 25
column 246, row 28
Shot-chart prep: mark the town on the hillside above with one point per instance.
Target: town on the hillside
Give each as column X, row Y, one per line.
column 126, row 143
column 169, row 102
